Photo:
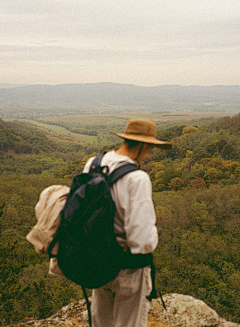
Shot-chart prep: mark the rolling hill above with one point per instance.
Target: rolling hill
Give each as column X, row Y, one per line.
column 36, row 100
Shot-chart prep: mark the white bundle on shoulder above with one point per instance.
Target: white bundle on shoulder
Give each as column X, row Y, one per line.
column 47, row 210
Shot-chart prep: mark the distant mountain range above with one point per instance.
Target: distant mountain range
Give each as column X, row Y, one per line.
column 112, row 97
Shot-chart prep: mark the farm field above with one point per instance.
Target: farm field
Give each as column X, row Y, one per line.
column 167, row 115
column 54, row 131
column 95, row 128
column 109, row 118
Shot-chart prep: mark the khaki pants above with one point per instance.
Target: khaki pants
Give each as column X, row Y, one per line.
column 122, row 302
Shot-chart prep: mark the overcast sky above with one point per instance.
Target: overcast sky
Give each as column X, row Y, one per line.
column 141, row 42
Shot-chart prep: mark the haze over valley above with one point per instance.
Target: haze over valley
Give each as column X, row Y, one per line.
column 22, row 101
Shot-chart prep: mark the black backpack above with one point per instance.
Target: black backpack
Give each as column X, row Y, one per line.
column 89, row 253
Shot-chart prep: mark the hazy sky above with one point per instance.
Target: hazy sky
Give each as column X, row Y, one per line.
column 141, row 42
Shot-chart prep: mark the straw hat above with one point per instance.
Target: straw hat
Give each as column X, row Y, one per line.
column 143, row 130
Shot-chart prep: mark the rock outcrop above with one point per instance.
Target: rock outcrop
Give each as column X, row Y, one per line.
column 186, row 311
column 182, row 311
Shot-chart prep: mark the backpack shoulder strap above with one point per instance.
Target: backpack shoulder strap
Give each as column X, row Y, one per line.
column 96, row 161
column 120, row 172
column 117, row 173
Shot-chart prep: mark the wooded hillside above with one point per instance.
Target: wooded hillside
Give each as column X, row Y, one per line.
column 196, row 193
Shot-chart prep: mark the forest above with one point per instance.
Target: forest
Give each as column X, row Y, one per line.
column 196, row 193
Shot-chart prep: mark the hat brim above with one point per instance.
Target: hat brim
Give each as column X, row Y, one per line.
column 146, row 139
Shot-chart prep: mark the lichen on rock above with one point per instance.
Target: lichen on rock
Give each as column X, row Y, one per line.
column 186, row 311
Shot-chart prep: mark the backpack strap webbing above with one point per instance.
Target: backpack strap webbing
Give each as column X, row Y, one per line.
column 96, row 161
column 88, row 305
column 120, row 172
column 154, row 291
column 117, row 173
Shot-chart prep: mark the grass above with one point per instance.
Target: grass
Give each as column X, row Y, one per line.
column 102, row 123
column 63, row 131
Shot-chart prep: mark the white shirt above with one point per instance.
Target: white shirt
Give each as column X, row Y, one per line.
column 135, row 215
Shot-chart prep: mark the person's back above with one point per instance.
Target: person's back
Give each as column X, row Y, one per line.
column 123, row 301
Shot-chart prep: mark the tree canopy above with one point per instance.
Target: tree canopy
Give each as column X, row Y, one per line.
column 196, row 193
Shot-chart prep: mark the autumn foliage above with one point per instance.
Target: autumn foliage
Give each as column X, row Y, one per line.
column 196, row 193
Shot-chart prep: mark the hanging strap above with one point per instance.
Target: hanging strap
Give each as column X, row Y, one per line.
column 154, row 292
column 88, row 305
column 139, row 152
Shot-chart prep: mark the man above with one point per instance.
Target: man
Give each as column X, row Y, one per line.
column 122, row 302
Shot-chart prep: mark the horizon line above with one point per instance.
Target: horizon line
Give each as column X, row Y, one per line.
column 116, row 83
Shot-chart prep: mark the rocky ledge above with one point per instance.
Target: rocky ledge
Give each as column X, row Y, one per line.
column 182, row 311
